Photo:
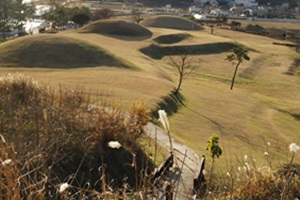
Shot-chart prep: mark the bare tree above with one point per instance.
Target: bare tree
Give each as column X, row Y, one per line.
column 239, row 54
column 104, row 13
column 137, row 15
column 184, row 68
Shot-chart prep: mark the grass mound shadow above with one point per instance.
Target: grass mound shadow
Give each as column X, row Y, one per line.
column 172, row 38
column 117, row 29
column 158, row 52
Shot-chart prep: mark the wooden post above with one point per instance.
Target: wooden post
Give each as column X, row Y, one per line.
column 200, row 180
column 185, row 154
column 169, row 192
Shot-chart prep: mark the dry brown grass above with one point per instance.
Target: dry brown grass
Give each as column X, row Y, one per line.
column 258, row 109
column 261, row 107
column 49, row 138
column 276, row 29
column 52, row 51
column 169, row 21
column 270, row 24
column 116, row 27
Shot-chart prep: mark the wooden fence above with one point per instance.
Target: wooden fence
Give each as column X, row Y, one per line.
column 200, row 180
column 163, row 168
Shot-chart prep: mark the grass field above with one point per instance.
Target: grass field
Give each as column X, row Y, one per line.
column 264, row 105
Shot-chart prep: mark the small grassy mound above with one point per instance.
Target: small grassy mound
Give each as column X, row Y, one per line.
column 55, row 51
column 116, row 27
column 172, row 22
column 171, row 39
column 157, row 52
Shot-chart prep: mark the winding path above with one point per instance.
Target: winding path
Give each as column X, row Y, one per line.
column 183, row 179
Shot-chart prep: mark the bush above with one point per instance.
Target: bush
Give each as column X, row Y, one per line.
column 256, row 29
column 235, row 25
column 59, row 137
column 255, row 181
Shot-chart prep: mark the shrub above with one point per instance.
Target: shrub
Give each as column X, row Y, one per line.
column 61, row 137
column 255, row 181
column 257, row 29
column 235, row 25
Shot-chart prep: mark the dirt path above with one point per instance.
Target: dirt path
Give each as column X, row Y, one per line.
column 181, row 179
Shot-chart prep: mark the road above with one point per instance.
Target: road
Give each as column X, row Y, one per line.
column 184, row 172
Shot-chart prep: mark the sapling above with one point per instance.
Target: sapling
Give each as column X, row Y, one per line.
column 214, row 149
column 239, row 54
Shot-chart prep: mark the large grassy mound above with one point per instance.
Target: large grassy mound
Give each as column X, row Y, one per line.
column 172, row 22
column 116, row 27
column 53, row 51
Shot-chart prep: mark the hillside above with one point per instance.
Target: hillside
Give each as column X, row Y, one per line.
column 172, row 22
column 52, row 51
column 263, row 106
column 116, row 28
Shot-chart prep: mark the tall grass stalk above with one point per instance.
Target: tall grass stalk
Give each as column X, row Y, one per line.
column 60, row 137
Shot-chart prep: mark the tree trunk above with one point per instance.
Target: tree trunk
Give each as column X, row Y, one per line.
column 233, row 78
column 179, row 84
column 3, row 30
column 169, row 192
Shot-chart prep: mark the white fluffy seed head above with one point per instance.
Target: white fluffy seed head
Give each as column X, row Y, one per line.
column 164, row 119
column 294, row 148
column 63, row 187
column 114, row 144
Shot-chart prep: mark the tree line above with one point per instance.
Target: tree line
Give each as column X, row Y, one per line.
column 13, row 10
column 12, row 13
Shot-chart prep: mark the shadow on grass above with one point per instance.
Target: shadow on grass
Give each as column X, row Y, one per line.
column 296, row 116
column 117, row 29
column 170, row 103
column 52, row 51
column 157, row 52
column 172, row 38
column 294, row 69
column 173, row 102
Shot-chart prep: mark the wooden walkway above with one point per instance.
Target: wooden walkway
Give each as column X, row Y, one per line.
column 185, row 169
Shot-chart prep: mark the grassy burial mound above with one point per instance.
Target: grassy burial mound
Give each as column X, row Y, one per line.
column 53, row 51
column 158, row 52
column 172, row 22
column 117, row 28
column 172, row 38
